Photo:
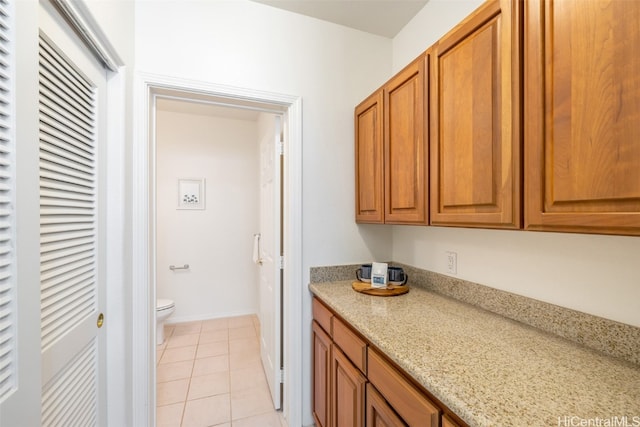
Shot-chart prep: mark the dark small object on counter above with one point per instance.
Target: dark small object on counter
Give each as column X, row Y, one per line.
column 397, row 276
column 363, row 274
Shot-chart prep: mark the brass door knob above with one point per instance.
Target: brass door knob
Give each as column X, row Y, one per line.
column 100, row 321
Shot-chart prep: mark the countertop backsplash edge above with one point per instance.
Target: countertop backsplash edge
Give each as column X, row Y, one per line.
column 604, row 335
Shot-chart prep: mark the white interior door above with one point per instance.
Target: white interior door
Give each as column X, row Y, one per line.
column 72, row 108
column 270, row 252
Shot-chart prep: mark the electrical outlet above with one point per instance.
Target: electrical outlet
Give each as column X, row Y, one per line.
column 452, row 262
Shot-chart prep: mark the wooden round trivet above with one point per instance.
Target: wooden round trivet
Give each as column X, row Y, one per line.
column 389, row 291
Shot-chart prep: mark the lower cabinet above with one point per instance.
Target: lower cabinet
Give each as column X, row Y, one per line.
column 321, row 376
column 379, row 413
column 348, row 386
column 354, row 385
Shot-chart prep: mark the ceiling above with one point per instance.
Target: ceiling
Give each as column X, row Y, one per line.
column 382, row 17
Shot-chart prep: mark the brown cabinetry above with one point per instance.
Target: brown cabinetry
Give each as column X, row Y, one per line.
column 355, row 385
column 370, row 160
column 391, row 154
column 338, row 384
column 321, row 376
column 448, row 422
column 379, row 413
column 532, row 111
column 582, row 108
column 348, row 391
column 405, row 146
column 351, row 344
column 409, row 402
column 475, row 145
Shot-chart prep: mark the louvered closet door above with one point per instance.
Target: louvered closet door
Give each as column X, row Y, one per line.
column 71, row 91
column 7, row 218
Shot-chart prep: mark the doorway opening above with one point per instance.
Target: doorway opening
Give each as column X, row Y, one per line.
column 288, row 108
column 218, row 247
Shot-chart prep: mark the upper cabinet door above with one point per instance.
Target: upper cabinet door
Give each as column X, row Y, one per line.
column 369, row 160
column 476, row 140
column 582, row 116
column 405, row 146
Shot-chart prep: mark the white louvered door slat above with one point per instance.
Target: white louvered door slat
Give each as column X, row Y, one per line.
column 56, row 137
column 68, row 218
column 71, row 283
column 72, row 396
column 8, row 359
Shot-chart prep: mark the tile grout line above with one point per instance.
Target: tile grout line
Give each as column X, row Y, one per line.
column 198, row 346
column 193, row 365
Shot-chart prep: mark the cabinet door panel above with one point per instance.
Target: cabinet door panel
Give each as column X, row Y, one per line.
column 321, row 398
column 475, row 143
column 582, row 110
column 379, row 413
column 369, row 160
column 405, row 166
column 469, row 147
column 347, row 404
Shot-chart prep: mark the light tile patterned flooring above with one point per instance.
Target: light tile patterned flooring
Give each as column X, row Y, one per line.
column 209, row 374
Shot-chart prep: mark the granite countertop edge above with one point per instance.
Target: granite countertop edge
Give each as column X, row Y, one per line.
column 487, row 369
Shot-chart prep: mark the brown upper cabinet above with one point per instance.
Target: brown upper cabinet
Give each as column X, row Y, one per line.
column 391, row 154
column 582, row 116
column 405, row 145
column 370, row 160
column 532, row 110
column 475, row 146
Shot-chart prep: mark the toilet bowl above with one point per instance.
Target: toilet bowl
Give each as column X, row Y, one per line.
column 164, row 309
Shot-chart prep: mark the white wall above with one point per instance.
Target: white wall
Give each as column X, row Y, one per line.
column 216, row 242
column 245, row 44
column 595, row 274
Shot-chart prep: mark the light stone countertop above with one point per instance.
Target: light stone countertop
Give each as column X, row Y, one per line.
column 490, row 370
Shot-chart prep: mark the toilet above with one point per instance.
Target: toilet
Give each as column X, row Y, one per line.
column 164, row 309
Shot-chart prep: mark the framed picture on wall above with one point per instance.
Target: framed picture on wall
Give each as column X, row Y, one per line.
column 191, row 193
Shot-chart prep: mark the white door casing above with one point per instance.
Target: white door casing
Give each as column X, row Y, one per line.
column 270, row 251
column 143, row 373
column 73, row 87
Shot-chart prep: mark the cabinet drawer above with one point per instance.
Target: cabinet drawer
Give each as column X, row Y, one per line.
column 409, row 402
column 354, row 347
column 322, row 315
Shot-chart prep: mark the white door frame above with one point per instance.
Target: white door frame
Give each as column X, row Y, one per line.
column 147, row 87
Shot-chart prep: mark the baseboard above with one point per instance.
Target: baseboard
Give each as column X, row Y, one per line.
column 199, row 317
